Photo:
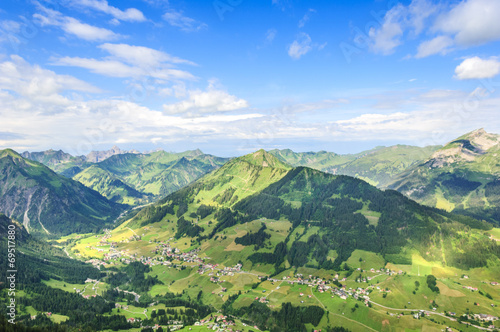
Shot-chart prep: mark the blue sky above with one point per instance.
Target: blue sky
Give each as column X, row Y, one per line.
column 233, row 76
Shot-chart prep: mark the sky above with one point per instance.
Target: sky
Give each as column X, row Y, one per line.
column 234, row 76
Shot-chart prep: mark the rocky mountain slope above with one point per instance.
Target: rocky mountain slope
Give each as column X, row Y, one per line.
column 47, row 202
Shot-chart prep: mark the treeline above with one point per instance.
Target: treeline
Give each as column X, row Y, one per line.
column 187, row 228
column 457, row 185
column 289, row 318
column 275, row 258
column 86, row 314
column 131, row 277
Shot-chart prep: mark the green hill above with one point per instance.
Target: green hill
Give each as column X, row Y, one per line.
column 318, row 160
column 462, row 177
column 47, row 202
column 110, row 186
column 380, row 166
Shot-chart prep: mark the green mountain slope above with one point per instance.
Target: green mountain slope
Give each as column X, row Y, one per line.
column 131, row 178
column 348, row 213
column 110, row 186
column 321, row 160
column 160, row 173
column 220, row 189
column 462, row 177
column 47, row 202
column 377, row 166
column 37, row 263
column 237, row 179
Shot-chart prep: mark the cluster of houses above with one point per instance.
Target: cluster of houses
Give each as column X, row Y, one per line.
column 217, row 323
column 483, row 317
column 166, row 250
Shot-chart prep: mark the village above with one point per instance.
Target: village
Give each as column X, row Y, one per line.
column 165, row 253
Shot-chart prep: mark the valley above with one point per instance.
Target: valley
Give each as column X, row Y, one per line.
column 258, row 240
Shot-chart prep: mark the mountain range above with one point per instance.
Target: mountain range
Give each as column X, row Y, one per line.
column 461, row 177
column 256, row 239
column 130, row 178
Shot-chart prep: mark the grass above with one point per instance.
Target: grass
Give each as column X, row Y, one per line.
column 56, row 318
column 85, row 289
column 365, row 260
column 495, row 233
column 442, row 202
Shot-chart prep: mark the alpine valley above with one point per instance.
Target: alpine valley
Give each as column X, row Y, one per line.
column 398, row 238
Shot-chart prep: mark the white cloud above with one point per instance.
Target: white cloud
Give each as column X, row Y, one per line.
column 110, row 68
column 87, row 31
column 419, row 12
column 141, row 56
column 39, row 86
column 19, row 76
column 477, row 68
column 209, row 101
column 472, row 22
column 438, row 45
column 130, row 14
column 466, row 23
column 301, row 46
column 397, row 22
column 306, row 17
column 72, row 26
column 179, row 20
column 131, row 61
column 388, row 36
column 37, row 115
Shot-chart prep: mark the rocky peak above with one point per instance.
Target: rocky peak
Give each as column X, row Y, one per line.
column 466, row 148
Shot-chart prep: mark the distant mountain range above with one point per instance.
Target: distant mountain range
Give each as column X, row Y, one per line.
column 462, row 176
column 130, row 177
column 377, row 166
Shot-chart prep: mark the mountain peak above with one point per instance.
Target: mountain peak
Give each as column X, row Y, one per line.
column 465, row 148
column 98, row 156
column 11, row 153
column 481, row 139
column 264, row 159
